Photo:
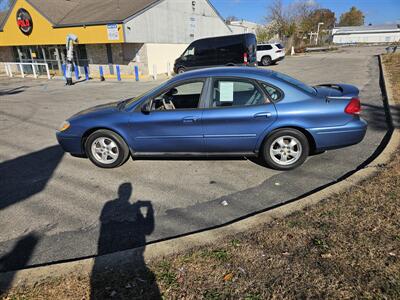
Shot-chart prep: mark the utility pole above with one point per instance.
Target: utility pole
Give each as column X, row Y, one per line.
column 316, row 38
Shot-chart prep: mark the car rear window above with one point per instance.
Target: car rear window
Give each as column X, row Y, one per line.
column 280, row 46
column 273, row 93
column 295, row 82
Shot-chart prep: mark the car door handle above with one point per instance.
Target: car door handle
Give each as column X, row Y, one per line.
column 263, row 115
column 189, row 120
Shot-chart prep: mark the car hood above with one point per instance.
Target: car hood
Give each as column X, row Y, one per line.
column 112, row 106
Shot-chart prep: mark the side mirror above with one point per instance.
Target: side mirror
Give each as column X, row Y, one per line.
column 146, row 108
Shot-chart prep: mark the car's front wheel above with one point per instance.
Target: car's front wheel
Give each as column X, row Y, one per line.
column 106, row 149
column 285, row 149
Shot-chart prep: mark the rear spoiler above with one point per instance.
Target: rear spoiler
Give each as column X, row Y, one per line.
column 347, row 90
column 333, row 86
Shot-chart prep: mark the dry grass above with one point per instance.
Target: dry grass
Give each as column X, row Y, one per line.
column 392, row 61
column 347, row 246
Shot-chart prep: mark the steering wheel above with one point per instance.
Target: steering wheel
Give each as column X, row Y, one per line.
column 167, row 102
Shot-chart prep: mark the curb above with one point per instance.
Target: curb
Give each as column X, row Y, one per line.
column 123, row 259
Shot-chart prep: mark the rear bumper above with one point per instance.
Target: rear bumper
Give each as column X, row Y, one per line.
column 71, row 144
column 279, row 58
column 339, row 136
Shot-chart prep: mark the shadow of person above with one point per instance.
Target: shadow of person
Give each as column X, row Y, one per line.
column 13, row 91
column 124, row 226
column 16, row 259
column 27, row 175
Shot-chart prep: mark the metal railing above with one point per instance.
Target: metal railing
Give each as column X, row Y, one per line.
column 52, row 63
column 34, row 67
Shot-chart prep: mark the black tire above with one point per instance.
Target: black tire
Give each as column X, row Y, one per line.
column 266, row 60
column 121, row 149
column 287, row 134
column 181, row 70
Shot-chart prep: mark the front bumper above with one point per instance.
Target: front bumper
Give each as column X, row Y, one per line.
column 71, row 144
column 339, row 136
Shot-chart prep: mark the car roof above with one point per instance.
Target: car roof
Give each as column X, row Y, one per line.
column 263, row 44
column 249, row 72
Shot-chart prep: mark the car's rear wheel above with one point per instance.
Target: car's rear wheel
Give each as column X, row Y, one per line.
column 266, row 61
column 285, row 149
column 106, row 149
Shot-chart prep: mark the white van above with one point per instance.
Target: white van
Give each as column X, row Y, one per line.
column 268, row 54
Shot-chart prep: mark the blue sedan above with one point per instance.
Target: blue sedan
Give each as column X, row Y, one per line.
column 220, row 112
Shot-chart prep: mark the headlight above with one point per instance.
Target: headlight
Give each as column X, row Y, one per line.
column 64, row 126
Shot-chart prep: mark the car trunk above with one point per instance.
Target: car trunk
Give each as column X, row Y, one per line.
column 338, row 97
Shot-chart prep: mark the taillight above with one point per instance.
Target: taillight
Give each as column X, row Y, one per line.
column 245, row 58
column 277, row 51
column 354, row 107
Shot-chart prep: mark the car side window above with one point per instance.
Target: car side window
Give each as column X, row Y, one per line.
column 260, row 48
column 182, row 96
column 264, row 47
column 273, row 93
column 236, row 92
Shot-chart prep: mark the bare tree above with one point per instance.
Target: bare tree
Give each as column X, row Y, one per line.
column 296, row 21
column 265, row 33
column 292, row 18
column 230, row 19
column 278, row 17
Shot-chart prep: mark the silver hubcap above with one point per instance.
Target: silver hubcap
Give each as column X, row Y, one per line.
column 285, row 150
column 105, row 150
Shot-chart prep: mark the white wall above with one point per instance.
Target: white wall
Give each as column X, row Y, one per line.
column 243, row 26
column 238, row 29
column 162, row 54
column 175, row 22
column 367, row 38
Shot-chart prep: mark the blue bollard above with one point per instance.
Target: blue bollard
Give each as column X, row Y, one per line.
column 101, row 73
column 118, row 73
column 64, row 69
column 136, row 73
column 86, row 68
column 76, row 72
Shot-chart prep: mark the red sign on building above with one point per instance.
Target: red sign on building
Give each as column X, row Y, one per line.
column 24, row 21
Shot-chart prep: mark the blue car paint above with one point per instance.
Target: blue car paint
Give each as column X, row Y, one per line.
column 223, row 130
column 167, row 131
column 239, row 129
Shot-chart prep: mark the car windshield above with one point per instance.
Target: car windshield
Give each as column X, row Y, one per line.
column 295, row 82
column 130, row 101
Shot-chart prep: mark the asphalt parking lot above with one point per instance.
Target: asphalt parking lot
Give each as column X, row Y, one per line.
column 54, row 207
